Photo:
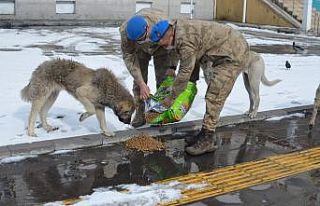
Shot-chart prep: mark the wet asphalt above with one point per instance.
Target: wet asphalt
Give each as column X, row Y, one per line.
column 53, row 177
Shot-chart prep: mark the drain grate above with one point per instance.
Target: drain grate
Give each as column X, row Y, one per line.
column 245, row 175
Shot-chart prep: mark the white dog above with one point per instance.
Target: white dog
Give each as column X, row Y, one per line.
column 316, row 106
column 252, row 76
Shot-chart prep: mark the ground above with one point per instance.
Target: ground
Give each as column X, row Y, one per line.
column 58, row 176
column 69, row 174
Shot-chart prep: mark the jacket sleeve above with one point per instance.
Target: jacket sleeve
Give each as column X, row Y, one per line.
column 130, row 58
column 187, row 64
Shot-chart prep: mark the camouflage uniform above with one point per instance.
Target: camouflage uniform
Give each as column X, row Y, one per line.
column 317, row 98
column 137, row 56
column 223, row 54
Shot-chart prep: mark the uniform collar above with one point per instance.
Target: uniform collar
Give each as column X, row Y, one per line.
column 173, row 23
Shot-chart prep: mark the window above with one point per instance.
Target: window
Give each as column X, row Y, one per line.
column 142, row 5
column 186, row 8
column 65, row 6
column 7, row 7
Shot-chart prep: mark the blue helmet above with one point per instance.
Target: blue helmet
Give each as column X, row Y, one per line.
column 136, row 27
column 159, row 30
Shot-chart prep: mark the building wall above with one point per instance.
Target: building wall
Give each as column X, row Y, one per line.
column 231, row 10
column 103, row 9
column 84, row 10
column 260, row 13
column 32, row 9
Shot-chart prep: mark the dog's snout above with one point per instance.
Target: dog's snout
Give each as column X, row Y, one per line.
column 125, row 120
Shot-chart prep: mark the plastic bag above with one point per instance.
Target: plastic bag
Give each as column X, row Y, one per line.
column 157, row 113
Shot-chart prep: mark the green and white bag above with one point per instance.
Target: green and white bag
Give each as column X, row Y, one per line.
column 157, row 113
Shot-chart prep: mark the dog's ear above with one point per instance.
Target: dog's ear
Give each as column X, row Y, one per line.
column 125, row 105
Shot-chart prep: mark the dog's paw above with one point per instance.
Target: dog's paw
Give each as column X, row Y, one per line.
column 310, row 126
column 32, row 134
column 108, row 133
column 50, row 128
column 84, row 116
column 252, row 115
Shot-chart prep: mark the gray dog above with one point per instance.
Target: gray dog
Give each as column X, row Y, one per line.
column 252, row 76
column 95, row 89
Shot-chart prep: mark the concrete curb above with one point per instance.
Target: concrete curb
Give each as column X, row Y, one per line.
column 95, row 140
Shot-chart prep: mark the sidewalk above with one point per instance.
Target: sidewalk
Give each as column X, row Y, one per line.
column 87, row 141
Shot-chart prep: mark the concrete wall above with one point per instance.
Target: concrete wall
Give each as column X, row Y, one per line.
column 230, row 10
column 45, row 10
column 259, row 13
column 84, row 10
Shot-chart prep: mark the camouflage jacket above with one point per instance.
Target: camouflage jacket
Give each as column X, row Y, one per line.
column 130, row 48
column 206, row 42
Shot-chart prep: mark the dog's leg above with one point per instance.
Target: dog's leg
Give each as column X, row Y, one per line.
column 102, row 121
column 315, row 108
column 256, row 100
column 44, row 111
column 247, row 86
column 35, row 109
column 256, row 71
column 82, row 94
column 313, row 117
column 89, row 109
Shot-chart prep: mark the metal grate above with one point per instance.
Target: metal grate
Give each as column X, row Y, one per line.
column 245, row 175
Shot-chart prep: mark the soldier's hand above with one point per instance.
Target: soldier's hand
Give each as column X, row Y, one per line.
column 144, row 91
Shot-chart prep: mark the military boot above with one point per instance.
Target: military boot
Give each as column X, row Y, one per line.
column 206, row 143
column 139, row 119
column 191, row 138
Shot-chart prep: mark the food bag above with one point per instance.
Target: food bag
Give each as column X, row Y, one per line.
column 157, row 113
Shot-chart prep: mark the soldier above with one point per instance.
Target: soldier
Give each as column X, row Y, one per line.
column 222, row 53
column 137, row 52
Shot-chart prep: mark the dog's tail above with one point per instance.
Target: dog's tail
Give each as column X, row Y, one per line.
column 267, row 82
column 25, row 93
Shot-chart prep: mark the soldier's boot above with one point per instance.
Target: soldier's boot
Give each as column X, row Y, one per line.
column 139, row 119
column 206, row 143
column 190, row 140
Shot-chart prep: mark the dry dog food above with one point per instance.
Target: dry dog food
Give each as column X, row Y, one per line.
column 144, row 143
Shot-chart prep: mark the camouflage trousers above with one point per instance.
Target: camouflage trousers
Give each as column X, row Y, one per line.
column 317, row 98
column 163, row 60
column 220, row 80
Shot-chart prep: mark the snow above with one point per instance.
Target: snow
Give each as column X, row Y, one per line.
column 272, row 30
column 132, row 194
column 16, row 159
column 22, row 50
column 63, row 151
column 285, row 117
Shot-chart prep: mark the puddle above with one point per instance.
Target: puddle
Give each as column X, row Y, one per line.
column 69, row 174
